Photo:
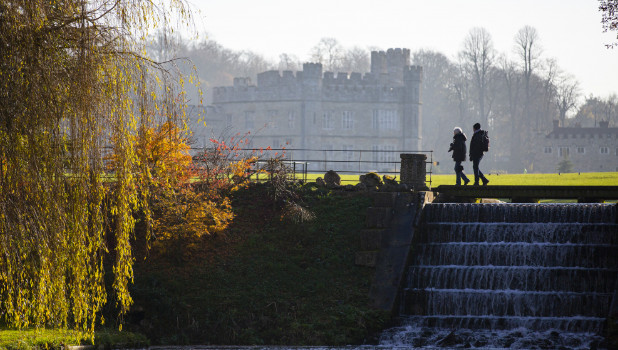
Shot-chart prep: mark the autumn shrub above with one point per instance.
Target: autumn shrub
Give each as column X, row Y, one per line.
column 198, row 205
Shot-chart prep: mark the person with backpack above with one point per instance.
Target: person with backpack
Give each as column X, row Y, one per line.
column 458, row 147
column 478, row 146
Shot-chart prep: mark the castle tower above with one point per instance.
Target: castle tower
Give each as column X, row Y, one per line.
column 412, row 118
column 397, row 60
column 311, row 81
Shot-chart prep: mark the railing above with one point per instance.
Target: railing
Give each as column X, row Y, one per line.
column 305, row 161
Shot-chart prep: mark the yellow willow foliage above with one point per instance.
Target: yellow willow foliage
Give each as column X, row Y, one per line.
column 72, row 85
column 187, row 214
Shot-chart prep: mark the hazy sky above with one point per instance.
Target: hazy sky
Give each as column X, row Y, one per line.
column 570, row 30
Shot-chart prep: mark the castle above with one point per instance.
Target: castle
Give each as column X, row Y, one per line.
column 379, row 111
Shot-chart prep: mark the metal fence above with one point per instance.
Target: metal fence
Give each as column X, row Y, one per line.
column 304, row 161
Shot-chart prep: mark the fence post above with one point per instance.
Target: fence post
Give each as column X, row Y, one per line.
column 413, row 171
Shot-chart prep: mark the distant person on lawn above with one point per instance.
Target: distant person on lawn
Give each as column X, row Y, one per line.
column 478, row 146
column 458, row 147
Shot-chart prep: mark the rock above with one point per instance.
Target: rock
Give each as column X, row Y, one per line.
column 332, row 178
column 370, row 180
column 389, row 180
column 320, row 182
column 450, row 340
column 349, row 188
column 490, row 200
column 389, row 188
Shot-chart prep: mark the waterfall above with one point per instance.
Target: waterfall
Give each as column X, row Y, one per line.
column 510, row 276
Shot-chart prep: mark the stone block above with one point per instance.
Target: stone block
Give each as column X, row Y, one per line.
column 371, row 239
column 378, row 217
column 384, row 199
column 366, row 258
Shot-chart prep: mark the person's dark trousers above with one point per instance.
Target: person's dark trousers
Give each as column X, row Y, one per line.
column 478, row 174
column 460, row 174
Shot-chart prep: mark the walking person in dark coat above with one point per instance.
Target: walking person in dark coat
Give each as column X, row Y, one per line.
column 477, row 149
column 458, row 146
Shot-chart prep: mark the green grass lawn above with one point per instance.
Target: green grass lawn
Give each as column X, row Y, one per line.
column 568, row 179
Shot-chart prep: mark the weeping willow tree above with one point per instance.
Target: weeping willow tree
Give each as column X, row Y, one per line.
column 73, row 83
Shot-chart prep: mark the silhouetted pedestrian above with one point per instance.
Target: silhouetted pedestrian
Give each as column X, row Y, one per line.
column 478, row 146
column 458, row 147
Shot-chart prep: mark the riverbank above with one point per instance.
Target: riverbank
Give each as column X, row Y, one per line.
column 266, row 280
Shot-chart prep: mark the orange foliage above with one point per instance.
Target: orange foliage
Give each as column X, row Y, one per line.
column 190, row 214
column 166, row 153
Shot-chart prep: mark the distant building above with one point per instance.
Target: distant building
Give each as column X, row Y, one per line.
column 588, row 149
column 379, row 111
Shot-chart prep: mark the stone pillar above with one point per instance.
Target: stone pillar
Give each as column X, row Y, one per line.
column 413, row 170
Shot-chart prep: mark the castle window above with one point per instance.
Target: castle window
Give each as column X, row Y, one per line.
column 272, row 119
column 276, row 144
column 388, row 154
column 327, row 121
column 383, row 156
column 288, row 142
column 348, row 156
column 385, row 119
column 564, row 151
column 291, row 119
column 347, row 120
column 547, row 150
column 249, row 120
column 228, row 119
column 374, row 155
column 581, row 150
column 604, row 150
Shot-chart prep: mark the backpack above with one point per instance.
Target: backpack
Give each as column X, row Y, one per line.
column 485, row 141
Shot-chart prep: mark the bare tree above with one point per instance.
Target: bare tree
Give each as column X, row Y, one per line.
column 551, row 74
column 329, row 52
column 355, row 59
column 460, row 91
column 567, row 95
column 289, row 62
column 609, row 18
column 478, row 56
column 528, row 50
column 611, row 108
column 440, row 103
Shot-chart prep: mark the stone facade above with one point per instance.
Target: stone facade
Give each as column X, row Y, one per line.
column 379, row 111
column 588, row 149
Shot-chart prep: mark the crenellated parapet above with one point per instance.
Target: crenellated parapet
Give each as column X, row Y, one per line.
column 390, row 74
column 413, row 74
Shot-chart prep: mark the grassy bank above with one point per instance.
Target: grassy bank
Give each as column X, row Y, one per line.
column 267, row 280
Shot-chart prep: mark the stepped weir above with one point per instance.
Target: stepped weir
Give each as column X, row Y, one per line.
column 509, row 276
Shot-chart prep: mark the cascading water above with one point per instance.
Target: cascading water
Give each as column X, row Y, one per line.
column 510, row 276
